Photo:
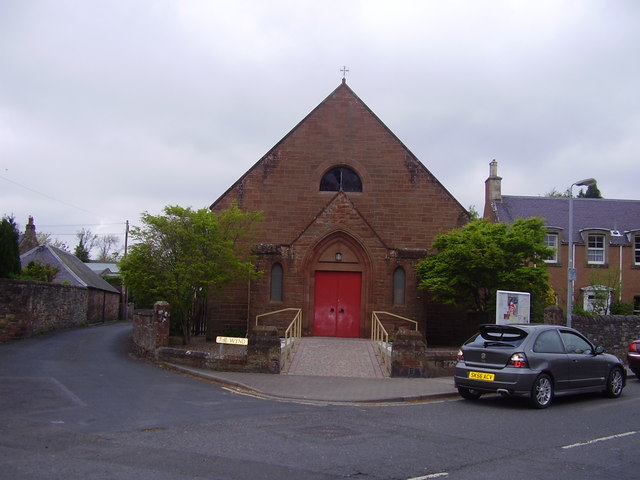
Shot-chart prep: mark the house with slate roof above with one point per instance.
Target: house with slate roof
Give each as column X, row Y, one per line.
column 606, row 241
column 348, row 210
column 104, row 299
column 103, row 269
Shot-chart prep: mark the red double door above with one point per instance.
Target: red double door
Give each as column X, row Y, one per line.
column 337, row 304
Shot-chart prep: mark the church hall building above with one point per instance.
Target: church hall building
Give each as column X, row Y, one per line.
column 348, row 213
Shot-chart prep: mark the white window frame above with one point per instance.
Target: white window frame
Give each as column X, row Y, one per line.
column 636, row 248
column 553, row 245
column 596, row 254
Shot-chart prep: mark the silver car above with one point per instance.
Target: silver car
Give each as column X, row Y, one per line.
column 536, row 361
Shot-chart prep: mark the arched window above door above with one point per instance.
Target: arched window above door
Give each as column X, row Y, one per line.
column 340, row 179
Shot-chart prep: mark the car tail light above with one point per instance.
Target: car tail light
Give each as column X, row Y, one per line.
column 460, row 356
column 518, row 360
column 633, row 347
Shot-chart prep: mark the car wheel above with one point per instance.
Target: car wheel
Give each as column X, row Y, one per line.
column 469, row 393
column 615, row 383
column 542, row 391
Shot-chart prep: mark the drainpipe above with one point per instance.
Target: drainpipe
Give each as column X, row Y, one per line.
column 620, row 279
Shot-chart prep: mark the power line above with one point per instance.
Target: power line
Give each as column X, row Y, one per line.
column 96, row 234
column 49, row 196
column 85, row 225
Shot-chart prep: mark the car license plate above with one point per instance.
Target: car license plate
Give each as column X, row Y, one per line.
column 489, row 377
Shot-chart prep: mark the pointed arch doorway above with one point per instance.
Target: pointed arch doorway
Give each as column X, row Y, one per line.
column 339, row 278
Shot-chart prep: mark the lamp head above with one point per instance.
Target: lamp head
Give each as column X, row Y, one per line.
column 587, row 182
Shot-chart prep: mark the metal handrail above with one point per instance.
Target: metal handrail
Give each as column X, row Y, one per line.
column 415, row 324
column 380, row 337
column 291, row 335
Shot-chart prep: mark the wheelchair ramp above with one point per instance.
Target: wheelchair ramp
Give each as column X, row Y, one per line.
column 335, row 357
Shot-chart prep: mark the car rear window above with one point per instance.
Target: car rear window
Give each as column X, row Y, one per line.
column 498, row 336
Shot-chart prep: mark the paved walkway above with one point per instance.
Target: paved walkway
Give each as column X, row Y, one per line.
column 335, row 357
column 332, row 370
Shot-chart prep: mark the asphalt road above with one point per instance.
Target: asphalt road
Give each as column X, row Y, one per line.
column 75, row 405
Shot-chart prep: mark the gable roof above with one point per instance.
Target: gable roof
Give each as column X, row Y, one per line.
column 336, row 208
column 343, row 88
column 399, row 194
column 621, row 216
column 71, row 268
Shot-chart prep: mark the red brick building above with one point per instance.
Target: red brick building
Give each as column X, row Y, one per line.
column 606, row 243
column 349, row 211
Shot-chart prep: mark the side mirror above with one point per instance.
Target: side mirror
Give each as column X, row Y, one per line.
column 599, row 350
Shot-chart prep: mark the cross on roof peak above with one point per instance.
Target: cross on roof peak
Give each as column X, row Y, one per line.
column 344, row 71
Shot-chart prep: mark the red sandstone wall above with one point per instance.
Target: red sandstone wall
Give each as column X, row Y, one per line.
column 401, row 209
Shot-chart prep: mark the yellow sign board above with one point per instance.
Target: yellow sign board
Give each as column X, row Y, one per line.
column 232, row 340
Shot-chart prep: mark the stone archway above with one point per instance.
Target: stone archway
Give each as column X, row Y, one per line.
column 339, row 275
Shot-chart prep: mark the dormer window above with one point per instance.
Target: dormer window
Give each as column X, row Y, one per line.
column 341, row 179
column 595, row 249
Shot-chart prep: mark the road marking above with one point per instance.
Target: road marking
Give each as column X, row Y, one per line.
column 601, row 439
column 432, row 475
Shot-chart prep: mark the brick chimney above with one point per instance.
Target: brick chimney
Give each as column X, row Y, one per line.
column 492, row 190
column 29, row 239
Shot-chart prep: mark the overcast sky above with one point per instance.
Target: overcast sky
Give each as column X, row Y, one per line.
column 111, row 108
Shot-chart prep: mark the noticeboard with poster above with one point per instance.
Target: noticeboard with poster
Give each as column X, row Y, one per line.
column 512, row 307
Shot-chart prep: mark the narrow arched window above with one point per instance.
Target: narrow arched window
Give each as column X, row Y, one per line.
column 276, row 283
column 399, row 278
column 341, row 179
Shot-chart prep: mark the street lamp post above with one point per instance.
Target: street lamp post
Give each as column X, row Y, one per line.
column 571, row 271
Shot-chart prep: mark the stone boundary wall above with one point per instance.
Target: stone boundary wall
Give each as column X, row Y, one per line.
column 410, row 357
column 262, row 355
column 151, row 340
column 151, row 329
column 30, row 308
column 613, row 332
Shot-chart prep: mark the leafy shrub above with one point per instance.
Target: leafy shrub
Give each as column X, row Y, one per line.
column 621, row 308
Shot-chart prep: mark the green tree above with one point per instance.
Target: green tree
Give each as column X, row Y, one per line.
column 9, row 248
column 81, row 251
column 591, row 192
column 41, row 272
column 181, row 255
column 475, row 261
column 86, row 242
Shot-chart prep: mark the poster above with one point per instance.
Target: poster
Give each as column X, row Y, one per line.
column 512, row 307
